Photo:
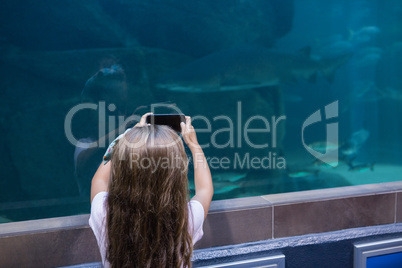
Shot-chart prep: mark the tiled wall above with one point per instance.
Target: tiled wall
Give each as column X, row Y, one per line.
column 47, row 243
column 69, row 240
column 292, row 214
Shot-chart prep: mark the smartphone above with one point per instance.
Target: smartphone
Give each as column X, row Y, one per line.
column 171, row 120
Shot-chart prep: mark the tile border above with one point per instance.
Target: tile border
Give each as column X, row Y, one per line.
column 222, row 209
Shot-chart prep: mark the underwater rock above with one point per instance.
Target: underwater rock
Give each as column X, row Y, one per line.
column 109, row 84
column 75, row 67
column 194, row 28
column 200, row 27
column 60, row 25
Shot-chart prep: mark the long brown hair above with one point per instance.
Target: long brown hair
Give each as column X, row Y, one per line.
column 147, row 212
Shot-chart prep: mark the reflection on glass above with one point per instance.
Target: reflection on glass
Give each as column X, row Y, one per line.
column 285, row 95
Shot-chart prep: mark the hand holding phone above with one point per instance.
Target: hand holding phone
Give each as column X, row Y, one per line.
column 189, row 136
column 171, row 120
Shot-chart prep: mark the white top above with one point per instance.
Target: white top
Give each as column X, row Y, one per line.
column 97, row 221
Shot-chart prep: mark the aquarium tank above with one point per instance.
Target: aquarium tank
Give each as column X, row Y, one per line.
column 285, row 95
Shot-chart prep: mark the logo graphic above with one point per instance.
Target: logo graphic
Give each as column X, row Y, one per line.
column 330, row 157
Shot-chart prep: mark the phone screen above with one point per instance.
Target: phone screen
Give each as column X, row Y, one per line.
column 171, row 120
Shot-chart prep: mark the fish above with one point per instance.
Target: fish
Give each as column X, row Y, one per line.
column 228, row 177
column 323, row 146
column 337, row 48
column 361, row 167
column 355, row 142
column 224, row 188
column 368, row 60
column 249, row 68
column 220, row 187
column 349, row 149
column 364, row 92
column 303, row 173
column 364, row 34
column 390, row 94
column 356, row 42
column 360, row 137
column 332, row 163
column 224, row 182
column 369, row 56
column 370, row 50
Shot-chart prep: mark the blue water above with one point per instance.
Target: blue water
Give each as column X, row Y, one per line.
column 285, row 95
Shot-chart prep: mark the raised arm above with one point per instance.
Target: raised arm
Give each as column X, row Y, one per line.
column 100, row 181
column 202, row 175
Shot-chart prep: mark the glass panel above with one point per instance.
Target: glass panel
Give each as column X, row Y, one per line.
column 389, row 260
column 286, row 95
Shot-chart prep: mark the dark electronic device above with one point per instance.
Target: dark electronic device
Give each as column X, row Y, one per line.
column 171, row 120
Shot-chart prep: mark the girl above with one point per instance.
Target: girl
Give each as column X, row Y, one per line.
column 140, row 213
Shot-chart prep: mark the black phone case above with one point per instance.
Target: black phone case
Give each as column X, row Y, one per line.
column 171, row 120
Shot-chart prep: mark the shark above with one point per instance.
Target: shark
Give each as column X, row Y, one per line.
column 225, row 182
column 248, row 68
